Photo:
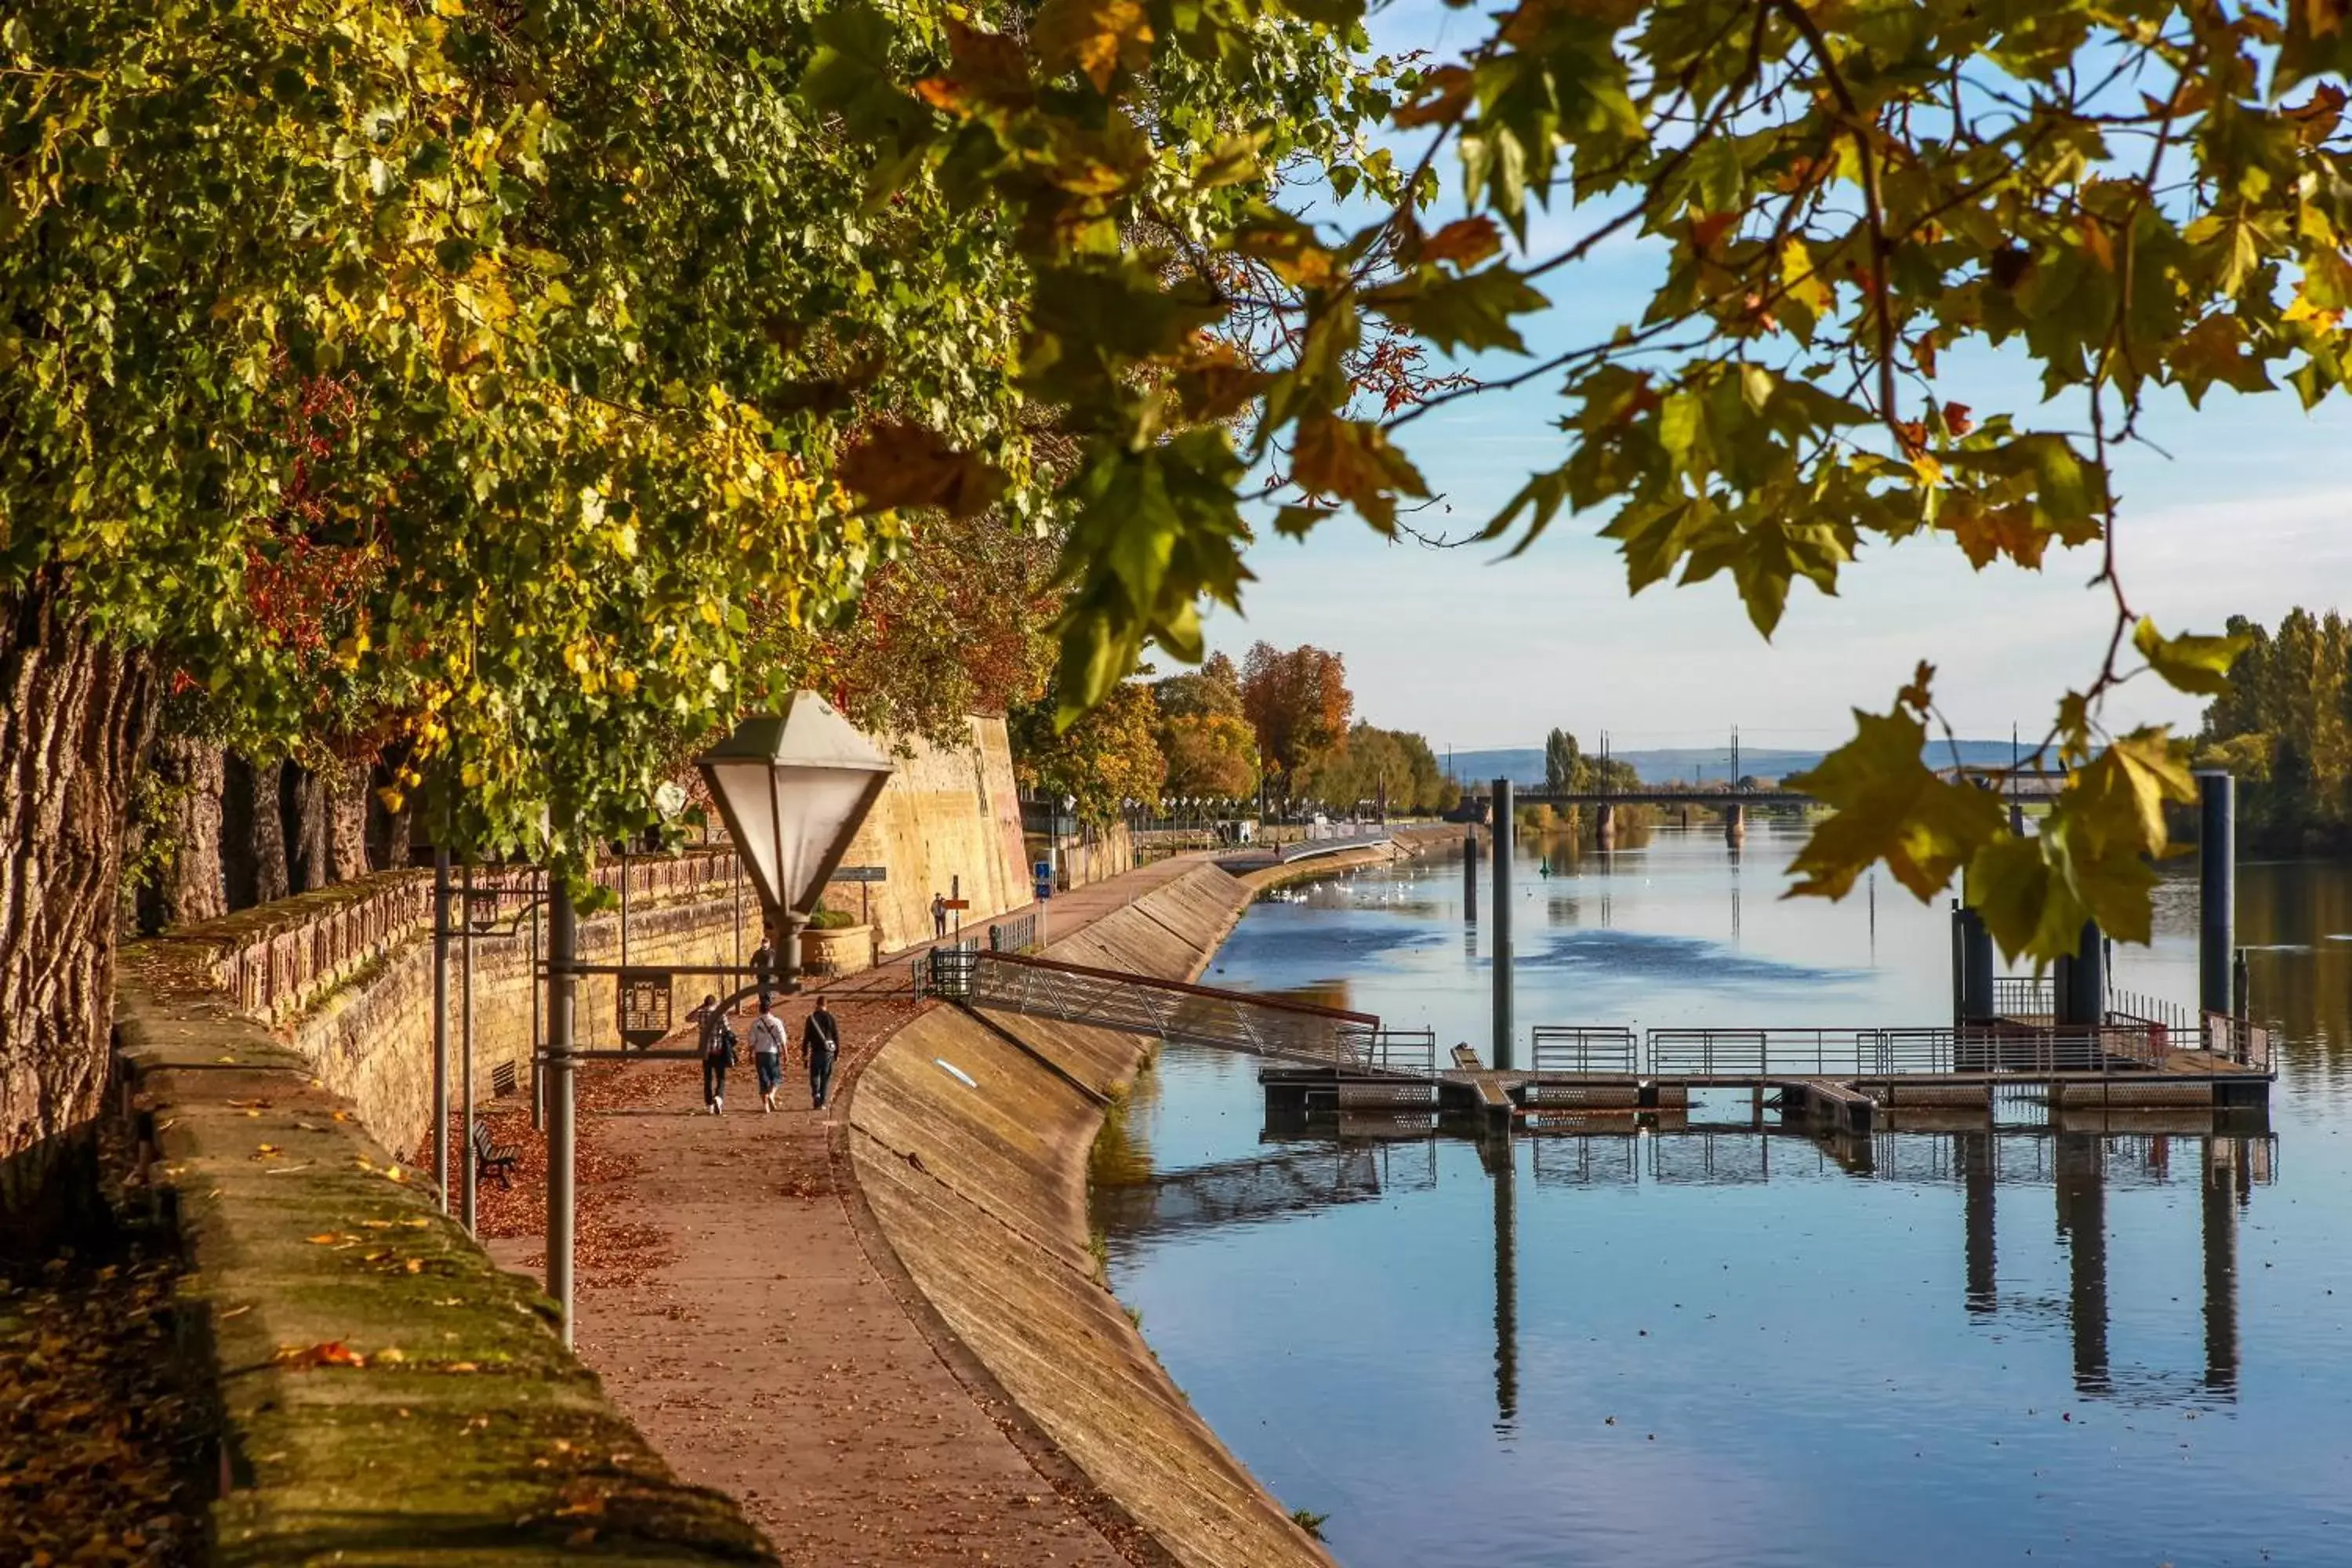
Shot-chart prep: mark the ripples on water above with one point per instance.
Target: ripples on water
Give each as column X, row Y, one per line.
column 1712, row 1342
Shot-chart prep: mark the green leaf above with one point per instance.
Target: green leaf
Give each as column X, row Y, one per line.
column 2189, row 663
column 1887, row 806
column 1455, row 313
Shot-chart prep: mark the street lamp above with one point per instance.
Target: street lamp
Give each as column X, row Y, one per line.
column 794, row 790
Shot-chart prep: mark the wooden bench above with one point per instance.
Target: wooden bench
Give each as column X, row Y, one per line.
column 492, row 1159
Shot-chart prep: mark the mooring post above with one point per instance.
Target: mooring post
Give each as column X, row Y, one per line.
column 2080, row 982
column 1503, row 1027
column 562, row 949
column 1470, row 876
column 2217, row 912
column 441, row 1026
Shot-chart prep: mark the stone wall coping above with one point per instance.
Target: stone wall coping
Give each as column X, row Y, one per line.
column 386, row 1394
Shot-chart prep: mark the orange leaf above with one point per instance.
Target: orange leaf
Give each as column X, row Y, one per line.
column 1096, row 37
column 897, row 464
column 1465, row 242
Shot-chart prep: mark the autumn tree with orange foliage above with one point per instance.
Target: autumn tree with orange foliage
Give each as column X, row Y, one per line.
column 1298, row 702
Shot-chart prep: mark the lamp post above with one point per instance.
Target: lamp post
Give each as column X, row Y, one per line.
column 794, row 790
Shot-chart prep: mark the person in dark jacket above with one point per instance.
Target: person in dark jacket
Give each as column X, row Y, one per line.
column 717, row 1056
column 822, row 1040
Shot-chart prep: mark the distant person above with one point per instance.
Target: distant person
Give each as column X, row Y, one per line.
column 767, row 1055
column 940, row 915
column 763, row 965
column 822, row 1040
column 718, row 1055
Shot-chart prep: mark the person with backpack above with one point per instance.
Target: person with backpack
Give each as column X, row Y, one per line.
column 768, row 1056
column 822, row 1040
column 717, row 1056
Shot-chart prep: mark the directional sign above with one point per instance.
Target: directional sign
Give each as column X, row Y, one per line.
column 956, row 904
column 643, row 997
column 862, row 874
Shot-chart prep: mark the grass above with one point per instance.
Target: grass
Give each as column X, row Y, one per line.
column 1309, row 1521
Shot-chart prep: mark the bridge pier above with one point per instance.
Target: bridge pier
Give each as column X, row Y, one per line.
column 1735, row 826
column 1604, row 824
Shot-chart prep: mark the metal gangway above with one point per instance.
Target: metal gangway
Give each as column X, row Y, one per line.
column 1179, row 1014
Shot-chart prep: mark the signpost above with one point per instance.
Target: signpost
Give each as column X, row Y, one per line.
column 643, row 998
column 864, row 877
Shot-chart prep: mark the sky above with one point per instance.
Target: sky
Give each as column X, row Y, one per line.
column 2247, row 515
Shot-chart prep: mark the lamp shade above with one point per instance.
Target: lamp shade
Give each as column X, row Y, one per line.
column 793, row 791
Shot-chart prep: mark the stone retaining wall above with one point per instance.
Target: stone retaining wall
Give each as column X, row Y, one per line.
column 385, row 1395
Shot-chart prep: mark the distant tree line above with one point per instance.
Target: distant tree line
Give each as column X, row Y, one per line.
column 2282, row 724
column 1282, row 717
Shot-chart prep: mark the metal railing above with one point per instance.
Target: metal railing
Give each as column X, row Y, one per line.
column 1015, row 933
column 1574, row 1047
column 1177, row 1013
column 1412, row 1051
column 2024, row 996
column 1850, row 1052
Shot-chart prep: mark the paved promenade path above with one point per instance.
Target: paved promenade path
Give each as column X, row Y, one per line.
column 765, row 1341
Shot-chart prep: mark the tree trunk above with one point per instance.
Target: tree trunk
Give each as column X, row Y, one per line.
column 253, row 835
column 347, row 822
column 304, row 801
column 73, row 717
column 388, row 830
column 189, row 889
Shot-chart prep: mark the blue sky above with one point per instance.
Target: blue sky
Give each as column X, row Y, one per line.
column 2248, row 516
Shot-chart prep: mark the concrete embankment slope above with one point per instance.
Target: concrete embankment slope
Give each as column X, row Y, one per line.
column 969, row 1137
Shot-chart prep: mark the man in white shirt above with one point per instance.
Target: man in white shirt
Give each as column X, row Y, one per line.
column 767, row 1055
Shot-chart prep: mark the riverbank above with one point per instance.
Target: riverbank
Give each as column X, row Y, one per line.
column 881, row 1328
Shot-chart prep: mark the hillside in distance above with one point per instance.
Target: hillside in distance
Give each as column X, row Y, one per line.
column 1698, row 764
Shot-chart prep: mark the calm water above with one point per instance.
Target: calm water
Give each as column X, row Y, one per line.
column 1689, row 1346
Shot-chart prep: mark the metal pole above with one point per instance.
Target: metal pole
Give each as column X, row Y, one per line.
column 538, row 1040
column 466, row 1057
column 562, row 950
column 1504, row 1029
column 2217, row 909
column 441, row 1026
column 624, row 909
column 1470, row 876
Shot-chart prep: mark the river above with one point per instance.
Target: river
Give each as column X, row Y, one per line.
column 1678, row 1345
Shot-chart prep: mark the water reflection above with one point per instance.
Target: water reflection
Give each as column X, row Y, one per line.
column 1307, row 1171
column 1892, row 1328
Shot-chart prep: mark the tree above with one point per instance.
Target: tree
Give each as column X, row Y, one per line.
column 1833, row 200
column 1209, row 755
column 410, row 376
column 1110, row 756
column 1562, row 761
column 1215, row 689
column 2284, row 725
column 1298, row 702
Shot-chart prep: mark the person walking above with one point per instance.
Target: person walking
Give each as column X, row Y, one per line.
column 763, row 965
column 767, row 1055
column 940, row 915
column 717, row 1056
column 822, row 1040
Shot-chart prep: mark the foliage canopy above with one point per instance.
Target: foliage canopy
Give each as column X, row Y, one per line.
column 2145, row 199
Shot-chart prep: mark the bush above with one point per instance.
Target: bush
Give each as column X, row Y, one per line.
column 832, row 920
